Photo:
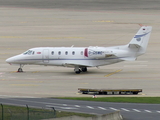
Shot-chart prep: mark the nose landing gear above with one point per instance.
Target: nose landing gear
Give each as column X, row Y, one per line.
column 20, row 69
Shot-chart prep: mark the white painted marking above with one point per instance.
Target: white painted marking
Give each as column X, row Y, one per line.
column 67, row 108
column 125, row 109
column 50, row 106
column 102, row 108
column 113, row 108
column 158, row 111
column 90, row 107
column 136, row 110
column 135, row 66
column 147, row 111
column 141, row 61
column 77, row 106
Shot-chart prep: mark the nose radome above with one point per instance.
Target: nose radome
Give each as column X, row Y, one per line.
column 14, row 59
column 9, row 60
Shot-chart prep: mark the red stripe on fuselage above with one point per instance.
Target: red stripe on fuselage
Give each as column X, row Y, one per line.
column 86, row 52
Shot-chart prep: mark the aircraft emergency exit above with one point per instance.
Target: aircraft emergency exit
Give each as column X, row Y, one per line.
column 82, row 57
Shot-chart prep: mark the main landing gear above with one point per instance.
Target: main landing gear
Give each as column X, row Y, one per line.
column 79, row 70
column 20, row 69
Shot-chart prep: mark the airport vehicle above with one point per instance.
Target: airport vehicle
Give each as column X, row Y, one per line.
column 82, row 57
column 109, row 91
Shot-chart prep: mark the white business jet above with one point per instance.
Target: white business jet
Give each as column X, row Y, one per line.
column 82, row 57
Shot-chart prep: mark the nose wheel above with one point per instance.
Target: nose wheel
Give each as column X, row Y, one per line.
column 20, row 69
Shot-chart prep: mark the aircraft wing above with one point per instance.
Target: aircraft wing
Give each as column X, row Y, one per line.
column 129, row 58
column 86, row 63
column 126, row 58
column 73, row 64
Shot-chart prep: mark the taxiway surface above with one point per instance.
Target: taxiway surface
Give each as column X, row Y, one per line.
column 37, row 23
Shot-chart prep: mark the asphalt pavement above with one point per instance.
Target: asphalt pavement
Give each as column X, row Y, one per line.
column 130, row 111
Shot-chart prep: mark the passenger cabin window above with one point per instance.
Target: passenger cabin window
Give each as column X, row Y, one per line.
column 81, row 52
column 66, row 52
column 73, row 53
column 59, row 53
column 52, row 52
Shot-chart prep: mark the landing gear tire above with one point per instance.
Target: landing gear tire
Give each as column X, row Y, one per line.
column 84, row 69
column 78, row 72
column 20, row 70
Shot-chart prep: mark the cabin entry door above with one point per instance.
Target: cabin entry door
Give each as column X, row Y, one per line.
column 45, row 56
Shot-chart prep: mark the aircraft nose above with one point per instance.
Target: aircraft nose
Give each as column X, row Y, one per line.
column 12, row 59
column 9, row 60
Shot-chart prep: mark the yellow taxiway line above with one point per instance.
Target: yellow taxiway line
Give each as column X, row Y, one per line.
column 113, row 73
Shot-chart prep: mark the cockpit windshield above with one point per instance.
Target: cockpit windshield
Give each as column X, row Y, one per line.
column 28, row 52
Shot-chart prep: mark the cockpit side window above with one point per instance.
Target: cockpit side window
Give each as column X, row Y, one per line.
column 25, row 53
column 29, row 52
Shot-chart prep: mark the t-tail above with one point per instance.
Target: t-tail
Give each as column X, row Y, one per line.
column 139, row 42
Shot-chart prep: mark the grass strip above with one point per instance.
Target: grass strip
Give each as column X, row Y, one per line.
column 20, row 113
column 151, row 100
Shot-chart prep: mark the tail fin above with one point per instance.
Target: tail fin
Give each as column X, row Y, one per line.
column 140, row 40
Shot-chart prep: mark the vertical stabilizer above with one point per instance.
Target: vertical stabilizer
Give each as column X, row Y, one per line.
column 140, row 40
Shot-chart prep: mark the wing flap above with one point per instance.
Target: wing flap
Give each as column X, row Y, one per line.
column 109, row 55
column 121, row 57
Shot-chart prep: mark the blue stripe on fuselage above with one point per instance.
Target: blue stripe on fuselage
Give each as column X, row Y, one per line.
column 72, row 59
